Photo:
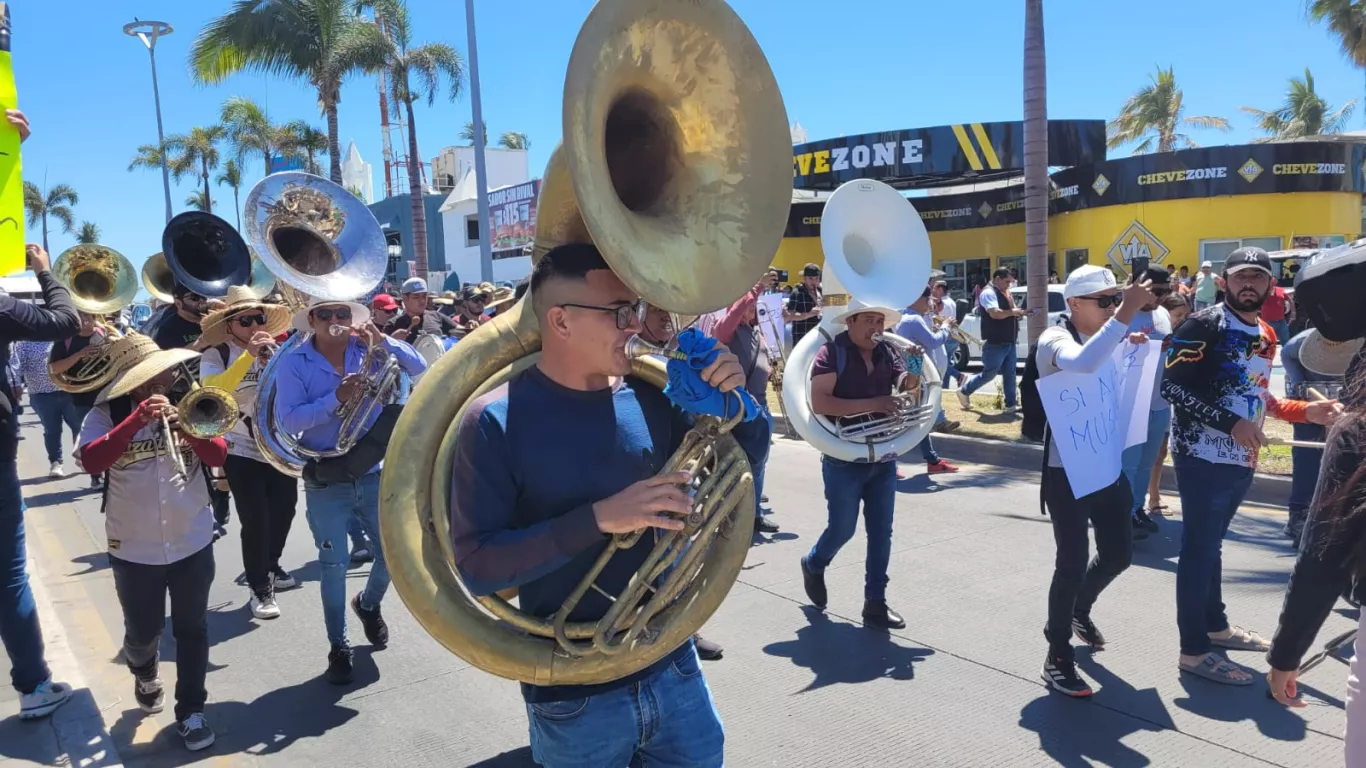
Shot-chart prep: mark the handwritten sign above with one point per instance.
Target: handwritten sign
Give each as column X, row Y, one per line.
column 12, row 257
column 1090, row 415
column 1140, row 364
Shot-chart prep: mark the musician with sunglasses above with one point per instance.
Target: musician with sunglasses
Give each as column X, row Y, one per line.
column 314, row 380
column 240, row 339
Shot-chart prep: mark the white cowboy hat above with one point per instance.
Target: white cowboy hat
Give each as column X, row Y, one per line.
column 140, row 361
column 360, row 314
column 240, row 299
column 1327, row 358
column 855, row 307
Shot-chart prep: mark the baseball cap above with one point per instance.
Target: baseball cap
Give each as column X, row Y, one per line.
column 811, row 270
column 1248, row 258
column 414, row 285
column 1087, row 280
column 1206, row 265
column 385, row 302
column 470, row 292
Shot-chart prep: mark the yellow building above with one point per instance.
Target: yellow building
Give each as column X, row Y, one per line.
column 1180, row 208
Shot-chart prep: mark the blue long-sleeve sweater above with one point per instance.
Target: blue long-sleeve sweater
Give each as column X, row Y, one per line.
column 531, row 460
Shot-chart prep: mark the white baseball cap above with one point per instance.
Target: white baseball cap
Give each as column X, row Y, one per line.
column 1087, row 280
column 1206, row 265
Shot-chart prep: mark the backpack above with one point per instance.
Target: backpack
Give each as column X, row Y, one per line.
column 1035, row 425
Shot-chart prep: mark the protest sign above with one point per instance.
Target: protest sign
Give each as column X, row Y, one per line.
column 1138, row 364
column 12, row 257
column 770, row 313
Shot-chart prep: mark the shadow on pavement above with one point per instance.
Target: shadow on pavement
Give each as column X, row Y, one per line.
column 847, row 653
column 95, row 561
column 517, row 758
column 1232, row 704
column 776, row 538
column 271, row 724
column 36, row 741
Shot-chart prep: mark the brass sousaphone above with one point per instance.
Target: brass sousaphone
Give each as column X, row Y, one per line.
column 102, row 282
column 676, row 164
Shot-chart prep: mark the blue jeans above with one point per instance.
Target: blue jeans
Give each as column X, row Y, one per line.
column 927, row 448
column 1210, row 495
column 996, row 358
column 1138, row 460
column 1304, row 472
column 758, row 462
column 668, row 719
column 330, row 510
column 19, row 630
column 951, row 349
column 846, row 484
column 54, row 408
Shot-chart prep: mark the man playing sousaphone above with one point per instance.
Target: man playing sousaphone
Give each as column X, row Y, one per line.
column 239, row 339
column 548, row 467
column 855, row 374
column 314, row 380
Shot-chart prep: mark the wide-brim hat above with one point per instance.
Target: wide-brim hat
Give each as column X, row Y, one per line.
column 360, row 314
column 1327, row 358
column 855, row 307
column 139, row 360
column 240, row 299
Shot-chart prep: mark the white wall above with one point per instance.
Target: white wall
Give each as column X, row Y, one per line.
column 463, row 258
column 505, row 166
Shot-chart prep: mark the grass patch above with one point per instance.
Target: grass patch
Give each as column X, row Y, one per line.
column 986, row 420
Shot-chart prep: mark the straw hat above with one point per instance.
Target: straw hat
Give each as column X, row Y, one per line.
column 360, row 314
column 855, row 307
column 241, row 299
column 1327, row 358
column 139, row 360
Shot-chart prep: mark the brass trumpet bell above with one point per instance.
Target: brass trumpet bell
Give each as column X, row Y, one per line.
column 157, row 278
column 100, row 279
column 205, row 254
column 315, row 236
column 207, row 412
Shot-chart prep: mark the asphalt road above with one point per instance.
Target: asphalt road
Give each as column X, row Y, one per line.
column 959, row 686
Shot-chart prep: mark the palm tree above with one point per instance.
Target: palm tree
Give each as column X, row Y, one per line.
column 251, row 133
column 511, row 140
column 193, row 154
column 1154, row 116
column 200, row 201
column 320, row 41
column 416, row 73
column 1347, row 21
column 56, row 202
column 1036, row 165
column 1304, row 113
column 232, row 176
column 89, row 233
column 307, row 142
column 147, row 158
column 467, row 133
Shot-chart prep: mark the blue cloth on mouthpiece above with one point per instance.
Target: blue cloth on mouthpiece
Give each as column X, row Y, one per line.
column 689, row 391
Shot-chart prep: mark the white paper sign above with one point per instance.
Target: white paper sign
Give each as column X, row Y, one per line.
column 1139, row 364
column 770, row 311
column 1089, row 416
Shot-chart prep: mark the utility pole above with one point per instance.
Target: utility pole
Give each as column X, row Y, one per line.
column 480, row 172
column 148, row 32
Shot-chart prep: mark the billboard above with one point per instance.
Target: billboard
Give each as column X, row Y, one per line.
column 512, row 218
column 278, row 164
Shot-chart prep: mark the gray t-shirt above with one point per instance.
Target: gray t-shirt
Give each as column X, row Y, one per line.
column 1158, row 325
column 1058, row 352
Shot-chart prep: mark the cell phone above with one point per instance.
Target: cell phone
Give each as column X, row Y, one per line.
column 1139, row 268
column 782, row 275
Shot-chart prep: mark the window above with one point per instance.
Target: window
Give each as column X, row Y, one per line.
column 1073, row 258
column 1217, row 251
column 472, row 230
column 1056, row 303
column 955, row 274
column 1021, row 266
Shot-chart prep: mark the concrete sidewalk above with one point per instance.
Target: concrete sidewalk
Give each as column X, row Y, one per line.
column 971, row 565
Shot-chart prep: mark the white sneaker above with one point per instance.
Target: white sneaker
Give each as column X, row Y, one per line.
column 964, row 400
column 44, row 700
column 55, row 470
column 264, row 607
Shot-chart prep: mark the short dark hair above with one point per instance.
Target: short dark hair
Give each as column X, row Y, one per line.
column 1157, row 275
column 1000, row 273
column 520, row 289
column 572, row 261
column 1173, row 301
column 178, row 290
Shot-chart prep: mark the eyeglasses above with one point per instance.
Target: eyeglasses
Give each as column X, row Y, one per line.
column 626, row 315
column 327, row 315
column 1105, row 302
column 247, row 321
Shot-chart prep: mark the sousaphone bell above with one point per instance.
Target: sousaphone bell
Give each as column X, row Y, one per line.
column 205, row 254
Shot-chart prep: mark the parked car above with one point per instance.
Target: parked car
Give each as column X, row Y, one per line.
column 972, row 323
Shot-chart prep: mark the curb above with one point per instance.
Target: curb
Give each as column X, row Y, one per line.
column 1266, row 490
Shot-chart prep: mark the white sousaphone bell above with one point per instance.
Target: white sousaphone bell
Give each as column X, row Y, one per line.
column 877, row 252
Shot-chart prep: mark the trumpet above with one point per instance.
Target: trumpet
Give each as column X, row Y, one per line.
column 956, row 331
column 204, row 414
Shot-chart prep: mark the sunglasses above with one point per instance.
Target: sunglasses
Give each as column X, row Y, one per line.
column 1105, row 302
column 247, row 321
column 327, row 315
column 625, row 315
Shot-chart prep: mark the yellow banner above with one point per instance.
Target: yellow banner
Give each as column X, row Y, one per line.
column 11, row 178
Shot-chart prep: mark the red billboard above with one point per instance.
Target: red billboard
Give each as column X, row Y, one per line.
column 512, row 218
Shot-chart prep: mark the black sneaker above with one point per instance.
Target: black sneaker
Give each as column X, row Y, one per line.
column 339, row 665
column 764, row 525
column 219, row 531
column 196, row 732
column 815, row 585
column 1087, row 632
column 707, row 650
column 150, row 695
column 283, row 579
column 877, row 614
column 1144, row 522
column 376, row 631
column 1061, row 675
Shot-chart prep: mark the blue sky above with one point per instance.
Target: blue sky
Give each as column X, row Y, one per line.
column 844, row 68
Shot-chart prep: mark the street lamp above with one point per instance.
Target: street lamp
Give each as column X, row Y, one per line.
column 148, row 32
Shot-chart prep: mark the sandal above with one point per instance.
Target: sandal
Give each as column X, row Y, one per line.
column 1242, row 640
column 1218, row 669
